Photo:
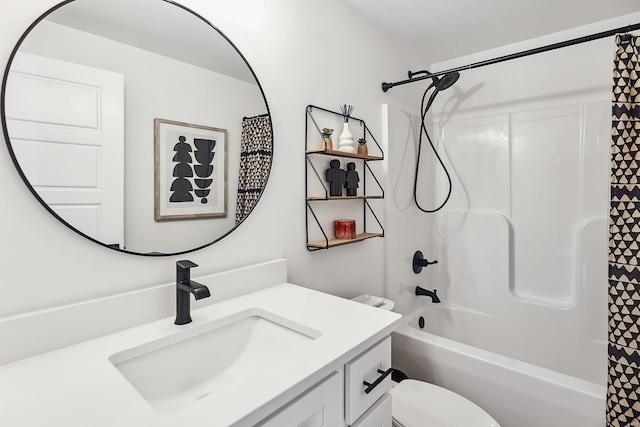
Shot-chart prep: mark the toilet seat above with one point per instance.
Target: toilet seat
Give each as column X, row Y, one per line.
column 417, row 404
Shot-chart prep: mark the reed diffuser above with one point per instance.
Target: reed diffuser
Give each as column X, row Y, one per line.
column 346, row 137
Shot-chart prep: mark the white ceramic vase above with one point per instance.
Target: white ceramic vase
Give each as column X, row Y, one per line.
column 346, row 143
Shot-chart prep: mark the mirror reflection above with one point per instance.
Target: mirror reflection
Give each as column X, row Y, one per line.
column 85, row 91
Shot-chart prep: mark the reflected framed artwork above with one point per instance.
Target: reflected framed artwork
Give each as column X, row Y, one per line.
column 190, row 171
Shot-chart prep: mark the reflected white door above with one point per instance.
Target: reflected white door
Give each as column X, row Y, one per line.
column 66, row 123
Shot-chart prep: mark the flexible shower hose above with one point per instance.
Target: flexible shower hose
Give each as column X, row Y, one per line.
column 423, row 128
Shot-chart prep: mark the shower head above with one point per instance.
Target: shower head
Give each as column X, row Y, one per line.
column 440, row 83
column 446, row 81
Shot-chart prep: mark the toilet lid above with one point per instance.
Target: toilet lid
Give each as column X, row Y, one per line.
column 416, row 403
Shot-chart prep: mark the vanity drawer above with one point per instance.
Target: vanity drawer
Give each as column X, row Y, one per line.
column 371, row 367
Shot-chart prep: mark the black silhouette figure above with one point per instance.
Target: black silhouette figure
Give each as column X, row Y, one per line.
column 351, row 180
column 335, row 177
column 181, row 186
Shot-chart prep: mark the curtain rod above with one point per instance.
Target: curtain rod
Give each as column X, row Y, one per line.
column 624, row 30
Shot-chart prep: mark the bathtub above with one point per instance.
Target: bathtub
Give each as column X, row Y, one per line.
column 478, row 356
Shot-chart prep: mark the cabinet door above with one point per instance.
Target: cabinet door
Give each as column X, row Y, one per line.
column 379, row 415
column 320, row 406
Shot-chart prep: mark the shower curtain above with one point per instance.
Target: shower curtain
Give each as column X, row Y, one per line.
column 623, row 388
column 255, row 161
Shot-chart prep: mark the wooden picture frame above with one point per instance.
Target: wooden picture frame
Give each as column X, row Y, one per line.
column 190, row 171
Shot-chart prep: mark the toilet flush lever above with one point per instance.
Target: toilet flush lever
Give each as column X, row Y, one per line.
column 371, row 386
column 419, row 262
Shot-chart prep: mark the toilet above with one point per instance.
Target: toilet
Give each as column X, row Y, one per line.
column 418, row 403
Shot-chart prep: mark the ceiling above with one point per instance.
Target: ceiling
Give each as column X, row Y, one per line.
column 159, row 27
column 443, row 30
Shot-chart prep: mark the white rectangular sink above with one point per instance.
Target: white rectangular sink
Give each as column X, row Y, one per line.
column 174, row 371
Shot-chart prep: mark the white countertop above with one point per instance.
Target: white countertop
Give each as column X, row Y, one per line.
column 79, row 386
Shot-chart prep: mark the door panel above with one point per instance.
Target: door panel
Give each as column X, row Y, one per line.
column 67, row 132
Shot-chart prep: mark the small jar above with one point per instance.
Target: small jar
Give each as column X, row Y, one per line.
column 345, row 229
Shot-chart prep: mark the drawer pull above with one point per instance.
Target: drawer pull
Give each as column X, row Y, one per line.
column 371, row 386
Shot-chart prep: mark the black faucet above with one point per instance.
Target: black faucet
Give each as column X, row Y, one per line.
column 184, row 287
column 433, row 294
column 419, row 262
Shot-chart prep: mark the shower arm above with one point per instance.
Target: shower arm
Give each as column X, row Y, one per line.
column 622, row 30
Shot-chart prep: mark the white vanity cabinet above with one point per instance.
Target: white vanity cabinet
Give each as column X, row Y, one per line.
column 285, row 356
column 341, row 399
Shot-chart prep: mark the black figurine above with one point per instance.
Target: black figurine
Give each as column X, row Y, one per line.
column 336, row 178
column 351, row 180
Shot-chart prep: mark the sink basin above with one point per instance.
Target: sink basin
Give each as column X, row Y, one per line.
column 174, row 371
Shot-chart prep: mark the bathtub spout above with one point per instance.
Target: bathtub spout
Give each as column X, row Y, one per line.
column 433, row 294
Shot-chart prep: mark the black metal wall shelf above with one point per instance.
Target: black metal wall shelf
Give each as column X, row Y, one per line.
column 367, row 210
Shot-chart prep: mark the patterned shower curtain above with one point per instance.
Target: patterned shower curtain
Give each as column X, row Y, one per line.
column 623, row 388
column 255, row 161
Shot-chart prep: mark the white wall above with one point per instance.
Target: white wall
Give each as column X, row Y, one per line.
column 325, row 55
column 303, row 52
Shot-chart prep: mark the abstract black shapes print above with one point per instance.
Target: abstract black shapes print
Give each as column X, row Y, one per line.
column 181, row 188
column 204, row 156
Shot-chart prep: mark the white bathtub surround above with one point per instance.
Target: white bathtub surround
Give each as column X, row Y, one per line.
column 545, row 171
column 475, row 355
column 522, row 245
column 570, row 339
column 80, row 386
column 523, row 242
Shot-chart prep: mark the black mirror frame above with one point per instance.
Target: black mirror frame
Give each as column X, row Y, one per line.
column 46, row 206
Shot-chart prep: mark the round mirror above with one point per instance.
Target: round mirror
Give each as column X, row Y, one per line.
column 137, row 123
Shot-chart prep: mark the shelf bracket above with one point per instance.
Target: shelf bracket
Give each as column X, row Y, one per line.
column 326, row 239
column 309, row 113
column 326, row 190
column 374, row 216
column 375, row 178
